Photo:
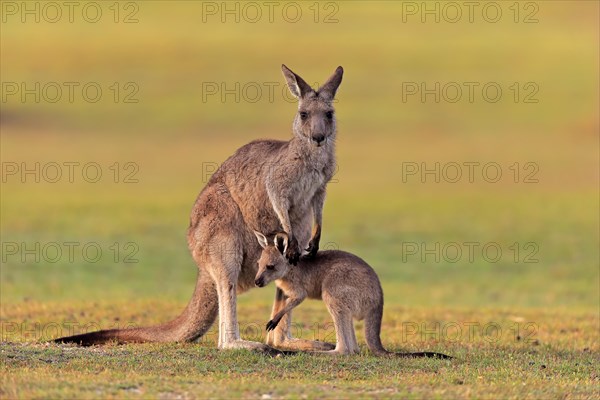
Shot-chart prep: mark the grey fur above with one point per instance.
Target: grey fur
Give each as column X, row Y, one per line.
column 266, row 185
column 349, row 287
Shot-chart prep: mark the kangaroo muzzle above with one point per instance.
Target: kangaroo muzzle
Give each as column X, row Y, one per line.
column 318, row 139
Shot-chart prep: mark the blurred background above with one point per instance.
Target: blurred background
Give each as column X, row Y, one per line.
column 154, row 95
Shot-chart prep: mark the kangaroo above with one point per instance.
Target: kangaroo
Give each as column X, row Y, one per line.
column 349, row 287
column 266, row 185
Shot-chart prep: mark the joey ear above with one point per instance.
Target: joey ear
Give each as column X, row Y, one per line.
column 330, row 87
column 262, row 240
column 297, row 85
column 281, row 242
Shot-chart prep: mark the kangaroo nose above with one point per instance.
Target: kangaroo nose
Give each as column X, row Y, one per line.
column 259, row 282
column 318, row 138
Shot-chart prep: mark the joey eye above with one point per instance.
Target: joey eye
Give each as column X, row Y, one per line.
column 329, row 114
column 303, row 115
column 270, row 267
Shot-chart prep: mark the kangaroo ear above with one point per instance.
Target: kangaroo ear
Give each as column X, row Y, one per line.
column 296, row 84
column 330, row 87
column 262, row 240
column 281, row 242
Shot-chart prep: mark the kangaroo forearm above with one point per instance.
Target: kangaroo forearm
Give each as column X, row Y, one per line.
column 283, row 216
column 290, row 304
column 318, row 203
column 317, row 206
column 281, row 207
column 284, row 219
column 318, row 213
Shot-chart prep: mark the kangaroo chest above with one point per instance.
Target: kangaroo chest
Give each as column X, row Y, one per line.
column 312, row 176
column 304, row 188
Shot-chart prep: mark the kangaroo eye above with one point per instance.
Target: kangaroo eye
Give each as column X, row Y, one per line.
column 271, row 267
column 329, row 114
column 303, row 115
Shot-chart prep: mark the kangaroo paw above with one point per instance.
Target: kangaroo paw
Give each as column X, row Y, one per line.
column 272, row 325
column 293, row 251
column 312, row 249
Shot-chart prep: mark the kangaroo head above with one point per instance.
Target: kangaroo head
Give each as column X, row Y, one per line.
column 315, row 120
column 272, row 264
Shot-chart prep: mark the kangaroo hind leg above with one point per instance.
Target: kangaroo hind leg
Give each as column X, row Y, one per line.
column 281, row 337
column 344, row 332
column 224, row 267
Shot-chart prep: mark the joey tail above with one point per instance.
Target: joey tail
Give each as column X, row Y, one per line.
column 194, row 321
column 373, row 338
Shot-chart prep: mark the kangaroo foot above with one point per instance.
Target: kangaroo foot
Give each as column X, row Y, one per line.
column 303, row 345
column 255, row 346
column 334, row 352
column 243, row 344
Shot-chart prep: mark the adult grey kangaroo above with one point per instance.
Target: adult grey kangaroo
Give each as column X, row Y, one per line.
column 348, row 285
column 268, row 186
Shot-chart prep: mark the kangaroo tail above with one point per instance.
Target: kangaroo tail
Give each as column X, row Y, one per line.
column 194, row 321
column 373, row 330
column 373, row 337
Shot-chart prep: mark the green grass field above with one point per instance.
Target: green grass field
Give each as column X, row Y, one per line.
column 522, row 323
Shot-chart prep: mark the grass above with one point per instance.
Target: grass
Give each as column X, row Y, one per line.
column 547, row 310
column 551, row 360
